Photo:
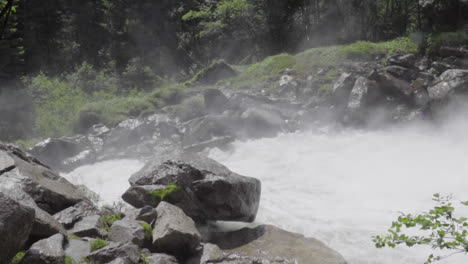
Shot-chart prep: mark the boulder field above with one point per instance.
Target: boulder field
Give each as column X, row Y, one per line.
column 175, row 201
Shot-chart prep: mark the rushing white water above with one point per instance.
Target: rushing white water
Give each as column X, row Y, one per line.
column 346, row 187
column 109, row 179
column 340, row 187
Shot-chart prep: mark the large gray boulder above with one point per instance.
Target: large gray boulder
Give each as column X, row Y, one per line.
column 342, row 88
column 53, row 151
column 124, row 231
column 72, row 214
column 16, row 222
column 89, row 226
column 270, row 243
column 159, row 258
column 174, row 232
column 130, row 252
column 200, row 186
column 215, row 101
column 451, row 81
column 46, row 251
column 50, row 191
column 77, row 249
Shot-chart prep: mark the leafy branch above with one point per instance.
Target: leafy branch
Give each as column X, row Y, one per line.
column 439, row 227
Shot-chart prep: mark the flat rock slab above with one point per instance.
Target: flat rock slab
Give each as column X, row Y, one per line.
column 271, row 243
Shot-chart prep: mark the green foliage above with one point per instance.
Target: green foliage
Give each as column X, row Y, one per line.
column 56, row 103
column 165, row 192
column 73, row 237
column 111, row 112
column 167, row 94
column 108, row 220
column 69, row 260
column 148, row 230
column 368, row 50
column 262, row 71
column 144, row 259
column 18, row 257
column 139, row 76
column 439, row 227
column 98, row 244
column 446, row 39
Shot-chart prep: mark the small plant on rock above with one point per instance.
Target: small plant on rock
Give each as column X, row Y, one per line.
column 148, row 230
column 18, row 257
column 98, row 244
column 439, row 229
column 163, row 193
column 108, row 220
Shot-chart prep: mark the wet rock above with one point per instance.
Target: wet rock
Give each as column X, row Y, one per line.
column 459, row 52
column 6, row 162
column 342, row 88
column 46, row 251
column 114, row 251
column 288, row 86
column 175, row 233
column 210, row 127
column 359, row 95
column 401, row 73
column 451, row 81
column 53, row 151
column 146, row 214
column 89, row 226
column 45, row 225
column 208, row 190
column 140, row 195
column 271, row 244
column 215, row 101
column 16, row 222
column 406, row 60
column 120, row 261
column 261, row 122
column 161, row 259
column 77, row 249
column 51, row 192
column 124, row 231
column 210, row 253
column 72, row 214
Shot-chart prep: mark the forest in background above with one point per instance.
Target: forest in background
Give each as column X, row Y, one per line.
column 59, row 57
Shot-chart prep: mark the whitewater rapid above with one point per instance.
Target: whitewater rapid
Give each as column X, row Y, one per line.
column 342, row 187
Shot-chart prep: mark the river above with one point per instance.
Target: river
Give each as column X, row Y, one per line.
column 341, row 187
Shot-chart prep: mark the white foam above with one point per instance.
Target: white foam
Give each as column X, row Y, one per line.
column 109, row 179
column 346, row 187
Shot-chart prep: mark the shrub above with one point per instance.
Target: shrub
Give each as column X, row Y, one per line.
column 69, row 260
column 439, row 229
column 437, row 41
column 98, row 244
column 264, row 70
column 111, row 112
column 108, row 220
column 56, row 104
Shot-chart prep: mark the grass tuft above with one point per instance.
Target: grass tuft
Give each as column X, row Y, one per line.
column 18, row 257
column 163, row 193
column 108, row 220
column 148, row 230
column 98, row 244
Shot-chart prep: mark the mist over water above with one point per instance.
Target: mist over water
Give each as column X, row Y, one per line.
column 345, row 187
column 342, row 187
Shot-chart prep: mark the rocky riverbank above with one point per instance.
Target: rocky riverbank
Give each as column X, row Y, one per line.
column 176, row 198
column 179, row 194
